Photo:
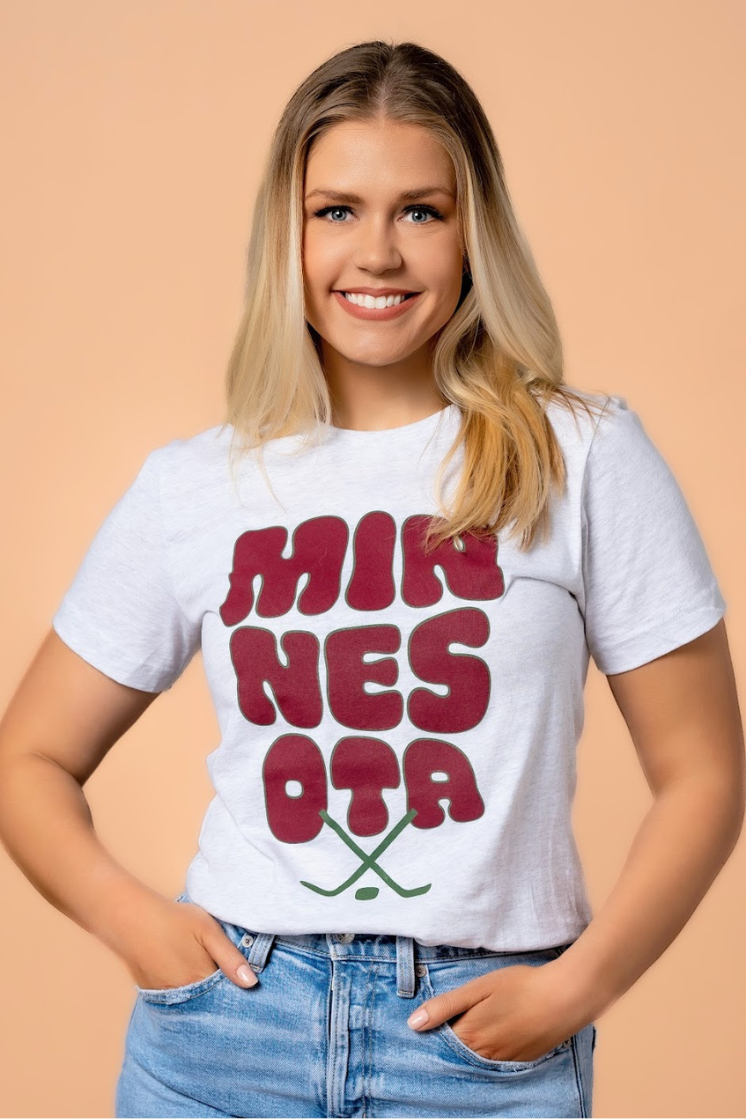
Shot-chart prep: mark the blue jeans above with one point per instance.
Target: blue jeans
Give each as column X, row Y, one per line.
column 324, row 1033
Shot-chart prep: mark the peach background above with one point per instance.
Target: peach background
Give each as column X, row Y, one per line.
column 133, row 134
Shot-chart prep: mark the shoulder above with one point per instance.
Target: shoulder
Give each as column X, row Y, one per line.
column 202, row 445
column 186, row 476
column 192, row 457
column 578, row 422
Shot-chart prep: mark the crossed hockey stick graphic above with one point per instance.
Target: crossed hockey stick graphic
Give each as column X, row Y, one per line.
column 368, row 861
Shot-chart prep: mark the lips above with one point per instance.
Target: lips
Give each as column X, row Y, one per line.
column 375, row 314
column 375, row 294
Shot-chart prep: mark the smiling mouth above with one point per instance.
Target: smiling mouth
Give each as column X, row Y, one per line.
column 374, row 302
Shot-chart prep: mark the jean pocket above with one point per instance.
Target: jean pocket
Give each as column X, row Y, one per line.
column 172, row 996
column 440, row 977
column 169, row 996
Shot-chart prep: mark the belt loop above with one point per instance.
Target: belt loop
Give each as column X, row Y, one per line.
column 260, row 950
column 405, row 967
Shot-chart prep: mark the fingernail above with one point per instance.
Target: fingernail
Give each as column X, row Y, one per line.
column 249, row 977
column 417, row 1019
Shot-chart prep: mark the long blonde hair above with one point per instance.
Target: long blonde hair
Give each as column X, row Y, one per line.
column 499, row 357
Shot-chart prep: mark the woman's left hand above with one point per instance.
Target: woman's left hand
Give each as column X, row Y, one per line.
column 514, row 1013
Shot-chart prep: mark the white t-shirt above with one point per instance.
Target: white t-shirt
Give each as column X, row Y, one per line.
column 398, row 731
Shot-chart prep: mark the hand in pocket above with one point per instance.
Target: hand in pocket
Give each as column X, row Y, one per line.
column 172, row 944
column 514, row 1013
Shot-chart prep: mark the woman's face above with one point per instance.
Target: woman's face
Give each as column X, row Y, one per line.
column 380, row 214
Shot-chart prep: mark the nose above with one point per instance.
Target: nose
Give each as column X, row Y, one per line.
column 376, row 247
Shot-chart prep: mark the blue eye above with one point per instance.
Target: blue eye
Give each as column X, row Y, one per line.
column 331, row 210
column 424, row 210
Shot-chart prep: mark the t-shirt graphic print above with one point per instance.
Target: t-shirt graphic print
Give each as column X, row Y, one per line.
column 361, row 762
column 397, row 727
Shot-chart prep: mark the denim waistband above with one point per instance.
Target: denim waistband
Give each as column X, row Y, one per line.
column 404, row 951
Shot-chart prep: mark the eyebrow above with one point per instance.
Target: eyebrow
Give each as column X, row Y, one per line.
column 355, row 199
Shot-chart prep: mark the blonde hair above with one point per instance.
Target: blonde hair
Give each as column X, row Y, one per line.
column 499, row 357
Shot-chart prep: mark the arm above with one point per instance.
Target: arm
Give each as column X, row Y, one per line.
column 62, row 720
column 682, row 712
column 683, row 715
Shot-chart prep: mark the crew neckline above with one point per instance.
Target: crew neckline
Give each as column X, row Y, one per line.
column 413, row 428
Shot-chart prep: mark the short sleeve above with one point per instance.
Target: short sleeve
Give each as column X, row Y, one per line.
column 120, row 612
column 648, row 585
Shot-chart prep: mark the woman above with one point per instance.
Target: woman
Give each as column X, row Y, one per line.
column 397, row 556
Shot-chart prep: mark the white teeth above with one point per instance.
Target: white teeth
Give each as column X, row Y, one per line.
column 372, row 301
